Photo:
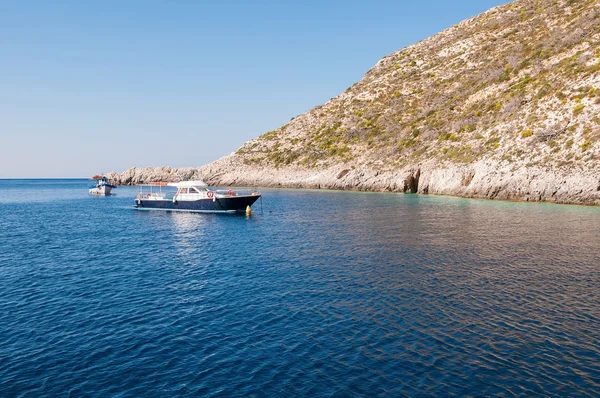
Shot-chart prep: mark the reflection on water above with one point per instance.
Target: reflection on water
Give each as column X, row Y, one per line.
column 327, row 293
column 187, row 232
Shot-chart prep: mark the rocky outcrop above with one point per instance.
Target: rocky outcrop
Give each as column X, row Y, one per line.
column 505, row 105
column 479, row 180
column 141, row 175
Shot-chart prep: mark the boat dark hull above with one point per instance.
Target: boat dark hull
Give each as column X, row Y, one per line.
column 221, row 205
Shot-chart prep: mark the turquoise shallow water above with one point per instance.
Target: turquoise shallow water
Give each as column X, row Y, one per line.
column 324, row 294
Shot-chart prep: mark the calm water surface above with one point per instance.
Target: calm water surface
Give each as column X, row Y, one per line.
column 324, row 294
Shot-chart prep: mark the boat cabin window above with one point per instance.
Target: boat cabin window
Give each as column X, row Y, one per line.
column 189, row 190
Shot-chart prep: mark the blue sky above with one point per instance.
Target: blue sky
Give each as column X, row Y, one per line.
column 89, row 87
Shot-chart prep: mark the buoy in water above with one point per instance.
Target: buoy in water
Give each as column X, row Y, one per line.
column 248, row 210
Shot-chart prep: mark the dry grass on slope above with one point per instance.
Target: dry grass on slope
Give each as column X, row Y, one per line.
column 518, row 84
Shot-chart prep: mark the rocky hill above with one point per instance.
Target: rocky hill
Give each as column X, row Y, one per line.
column 503, row 105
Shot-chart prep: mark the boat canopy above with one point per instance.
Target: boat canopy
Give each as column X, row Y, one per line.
column 188, row 184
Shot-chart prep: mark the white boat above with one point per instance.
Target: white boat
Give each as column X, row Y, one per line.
column 101, row 186
column 194, row 196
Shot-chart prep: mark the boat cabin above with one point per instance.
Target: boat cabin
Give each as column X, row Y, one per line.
column 191, row 190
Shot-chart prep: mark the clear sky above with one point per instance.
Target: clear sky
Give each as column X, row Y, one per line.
column 97, row 86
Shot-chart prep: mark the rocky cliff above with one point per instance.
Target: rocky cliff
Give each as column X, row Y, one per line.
column 503, row 105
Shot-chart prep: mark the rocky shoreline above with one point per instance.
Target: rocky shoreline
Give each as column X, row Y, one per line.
column 482, row 179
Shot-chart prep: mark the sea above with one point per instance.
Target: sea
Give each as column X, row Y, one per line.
column 317, row 293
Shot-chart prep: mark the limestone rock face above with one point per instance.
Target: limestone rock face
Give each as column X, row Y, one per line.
column 505, row 105
column 480, row 180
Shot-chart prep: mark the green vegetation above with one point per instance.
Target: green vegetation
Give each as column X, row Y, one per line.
column 585, row 145
column 462, row 154
column 448, row 137
column 270, row 135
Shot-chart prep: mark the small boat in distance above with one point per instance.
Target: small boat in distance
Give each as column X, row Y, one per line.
column 194, row 196
column 101, row 186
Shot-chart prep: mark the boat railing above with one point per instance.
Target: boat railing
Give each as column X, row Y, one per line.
column 154, row 190
column 236, row 192
column 151, row 195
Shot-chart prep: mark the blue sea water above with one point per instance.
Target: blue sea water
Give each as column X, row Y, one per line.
column 323, row 294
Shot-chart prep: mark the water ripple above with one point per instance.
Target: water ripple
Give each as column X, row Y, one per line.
column 325, row 294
